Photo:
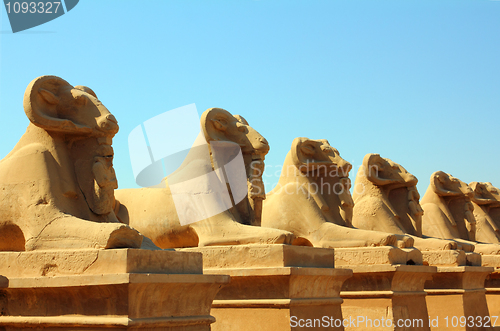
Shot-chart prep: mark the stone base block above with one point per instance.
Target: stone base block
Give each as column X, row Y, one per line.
column 492, row 285
column 264, row 256
column 386, row 297
column 377, row 255
column 97, row 262
column 451, row 258
column 276, row 287
column 164, row 291
column 474, row 259
column 455, row 292
column 491, row 261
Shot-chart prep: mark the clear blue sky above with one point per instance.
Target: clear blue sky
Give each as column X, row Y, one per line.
column 417, row 81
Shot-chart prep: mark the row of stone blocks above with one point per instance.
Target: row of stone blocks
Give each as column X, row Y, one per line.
column 249, row 287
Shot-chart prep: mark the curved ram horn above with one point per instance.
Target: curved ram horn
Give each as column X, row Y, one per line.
column 213, row 123
column 40, row 105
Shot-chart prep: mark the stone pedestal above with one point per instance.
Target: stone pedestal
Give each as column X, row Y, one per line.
column 455, row 292
column 492, row 285
column 276, row 288
column 120, row 289
column 456, row 295
column 383, row 295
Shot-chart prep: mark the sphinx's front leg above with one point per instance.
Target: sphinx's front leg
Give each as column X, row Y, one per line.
column 69, row 232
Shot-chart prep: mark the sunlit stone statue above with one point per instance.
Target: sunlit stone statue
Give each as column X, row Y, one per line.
column 312, row 199
column 57, row 184
column 448, row 212
column 220, row 126
column 486, row 201
column 386, row 199
column 153, row 211
column 494, row 210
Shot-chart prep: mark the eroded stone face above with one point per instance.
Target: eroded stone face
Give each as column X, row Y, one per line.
column 57, row 183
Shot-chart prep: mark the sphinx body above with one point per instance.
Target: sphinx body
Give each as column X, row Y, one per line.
column 486, row 201
column 56, row 185
column 448, row 212
column 312, row 200
column 494, row 213
column 386, row 199
column 153, row 210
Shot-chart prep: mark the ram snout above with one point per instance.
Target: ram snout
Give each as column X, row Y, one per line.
column 108, row 124
column 343, row 168
column 259, row 144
